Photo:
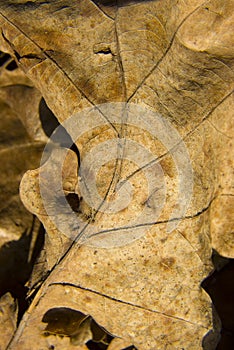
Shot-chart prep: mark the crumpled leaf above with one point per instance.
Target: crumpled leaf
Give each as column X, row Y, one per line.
column 155, row 54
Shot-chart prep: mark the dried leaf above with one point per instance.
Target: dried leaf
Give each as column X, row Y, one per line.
column 138, row 276
column 117, row 344
column 8, row 319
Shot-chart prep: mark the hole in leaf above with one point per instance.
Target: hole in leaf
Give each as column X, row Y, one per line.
column 12, row 66
column 74, row 201
column 80, row 328
column 4, row 57
column 54, row 129
column 49, row 121
column 105, row 51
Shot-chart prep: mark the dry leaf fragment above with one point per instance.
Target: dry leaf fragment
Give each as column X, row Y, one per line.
column 8, row 319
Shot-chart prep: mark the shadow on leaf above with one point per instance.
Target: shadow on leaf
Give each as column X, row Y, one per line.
column 80, row 328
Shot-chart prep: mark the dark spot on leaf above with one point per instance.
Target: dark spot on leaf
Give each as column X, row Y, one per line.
column 167, row 263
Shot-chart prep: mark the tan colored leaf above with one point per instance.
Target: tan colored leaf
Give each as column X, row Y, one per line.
column 117, row 344
column 155, row 162
column 18, row 153
column 8, row 319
